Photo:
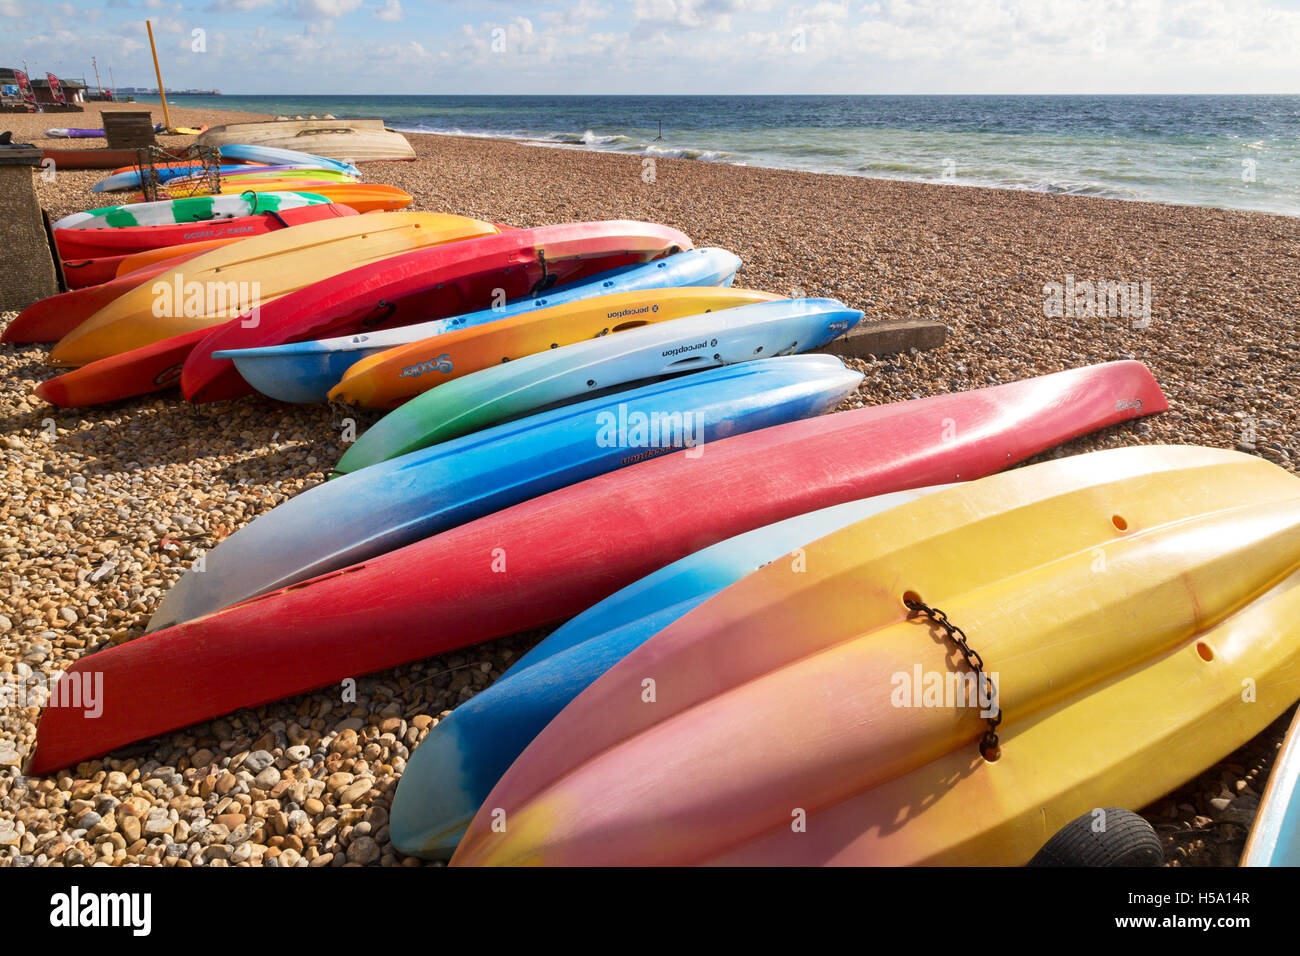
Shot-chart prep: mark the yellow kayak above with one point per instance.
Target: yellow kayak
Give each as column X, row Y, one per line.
column 219, row 285
column 388, row 378
column 1138, row 611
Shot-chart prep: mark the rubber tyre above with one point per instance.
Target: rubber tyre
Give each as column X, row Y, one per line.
column 1128, row 840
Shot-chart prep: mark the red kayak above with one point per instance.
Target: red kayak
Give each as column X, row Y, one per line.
column 55, row 316
column 83, row 273
column 566, row 551
column 138, row 372
column 427, row 284
column 77, row 244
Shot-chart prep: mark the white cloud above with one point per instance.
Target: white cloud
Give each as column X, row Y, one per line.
column 390, row 13
column 324, row 9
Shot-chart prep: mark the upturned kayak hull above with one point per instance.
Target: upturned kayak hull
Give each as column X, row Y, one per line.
column 440, row 594
column 221, row 284
column 456, row 766
column 704, row 339
column 431, row 284
column 306, row 371
column 805, row 716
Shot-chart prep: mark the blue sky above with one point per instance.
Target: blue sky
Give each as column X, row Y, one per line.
column 670, row 46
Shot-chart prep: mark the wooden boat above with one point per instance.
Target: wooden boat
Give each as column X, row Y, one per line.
column 353, row 140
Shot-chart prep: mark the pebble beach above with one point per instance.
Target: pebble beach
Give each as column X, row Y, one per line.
column 103, row 508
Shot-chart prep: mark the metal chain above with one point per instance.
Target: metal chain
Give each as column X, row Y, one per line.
column 989, row 748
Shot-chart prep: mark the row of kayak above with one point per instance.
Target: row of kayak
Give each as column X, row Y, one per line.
column 591, row 426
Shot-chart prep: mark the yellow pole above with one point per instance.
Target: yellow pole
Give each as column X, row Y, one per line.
column 167, row 120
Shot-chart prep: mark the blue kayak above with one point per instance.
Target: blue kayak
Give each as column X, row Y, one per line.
column 466, row 753
column 306, row 371
column 1275, row 838
column 275, row 156
column 400, row 501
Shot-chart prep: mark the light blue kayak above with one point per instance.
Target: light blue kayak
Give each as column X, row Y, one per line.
column 397, row 502
column 524, row 385
column 275, row 156
column 466, row 753
column 1275, row 837
column 306, row 371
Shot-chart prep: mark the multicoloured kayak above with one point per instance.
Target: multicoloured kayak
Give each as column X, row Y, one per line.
column 97, row 243
column 451, row 773
column 1275, row 837
column 261, row 174
column 306, row 371
column 168, row 212
column 441, row 593
column 63, row 132
column 389, row 378
column 363, row 197
column 703, row 339
column 130, row 179
column 1117, row 601
column 395, row 503
column 224, row 283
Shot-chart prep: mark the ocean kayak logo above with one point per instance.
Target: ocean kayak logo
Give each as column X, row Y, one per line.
column 1129, row 405
column 74, row 909
column 945, row 689
column 442, row 364
column 181, row 299
column 74, row 690
column 655, row 432
column 1102, row 299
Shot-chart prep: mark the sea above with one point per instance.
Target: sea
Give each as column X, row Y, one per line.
column 1229, row 151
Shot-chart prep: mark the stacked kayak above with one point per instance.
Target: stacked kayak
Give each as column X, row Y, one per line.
column 258, row 268
column 564, row 550
column 588, row 424
column 457, row 765
column 306, row 371
column 1112, row 687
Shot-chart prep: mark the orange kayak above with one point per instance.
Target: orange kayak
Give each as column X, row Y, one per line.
column 388, row 378
column 55, row 316
column 138, row 372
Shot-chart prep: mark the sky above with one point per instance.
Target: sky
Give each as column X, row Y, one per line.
column 668, row 46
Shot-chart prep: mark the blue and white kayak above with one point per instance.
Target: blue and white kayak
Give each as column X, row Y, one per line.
column 465, row 754
column 397, row 502
column 524, row 385
column 306, row 371
column 275, row 156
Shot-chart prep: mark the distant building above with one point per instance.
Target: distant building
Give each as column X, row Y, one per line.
column 73, row 90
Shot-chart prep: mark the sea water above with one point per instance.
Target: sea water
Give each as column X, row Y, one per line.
column 1233, row 151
